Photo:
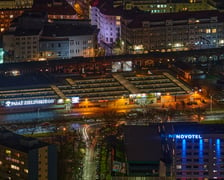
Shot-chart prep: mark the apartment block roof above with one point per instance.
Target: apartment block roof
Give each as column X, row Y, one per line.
column 54, row 7
column 142, row 143
column 18, row 142
column 139, row 18
column 56, row 30
column 27, row 32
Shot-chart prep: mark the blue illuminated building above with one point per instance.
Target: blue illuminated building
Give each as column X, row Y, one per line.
column 196, row 149
column 184, row 151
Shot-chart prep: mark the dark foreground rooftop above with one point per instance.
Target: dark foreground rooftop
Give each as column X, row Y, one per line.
column 18, row 142
column 142, row 143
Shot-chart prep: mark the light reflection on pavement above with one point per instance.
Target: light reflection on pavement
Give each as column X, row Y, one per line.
column 89, row 169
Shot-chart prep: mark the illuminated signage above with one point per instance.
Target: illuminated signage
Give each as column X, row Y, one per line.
column 29, row 102
column 185, row 136
column 75, row 99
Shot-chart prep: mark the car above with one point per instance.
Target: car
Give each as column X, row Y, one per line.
column 90, row 120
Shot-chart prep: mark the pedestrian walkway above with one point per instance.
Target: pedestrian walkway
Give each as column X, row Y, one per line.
column 130, row 87
column 70, row 81
column 58, row 91
column 185, row 88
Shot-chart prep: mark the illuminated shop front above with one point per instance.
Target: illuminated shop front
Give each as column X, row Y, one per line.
column 143, row 98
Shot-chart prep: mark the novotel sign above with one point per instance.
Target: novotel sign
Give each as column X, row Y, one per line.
column 29, row 102
column 185, row 136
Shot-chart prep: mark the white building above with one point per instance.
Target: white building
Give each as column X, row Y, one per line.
column 107, row 20
column 67, row 41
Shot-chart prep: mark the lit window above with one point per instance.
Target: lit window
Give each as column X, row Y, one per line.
column 178, row 166
column 26, row 171
column 0, row 162
column 214, row 30
column 7, row 151
column 208, row 31
column 14, row 167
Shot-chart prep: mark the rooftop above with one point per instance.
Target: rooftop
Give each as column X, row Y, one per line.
column 139, row 141
column 52, row 7
column 196, row 128
column 67, row 30
column 18, row 142
column 138, row 18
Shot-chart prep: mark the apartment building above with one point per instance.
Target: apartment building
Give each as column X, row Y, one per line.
column 60, row 40
column 107, row 15
column 107, row 19
column 143, row 33
column 21, row 41
column 33, row 38
column 26, row 158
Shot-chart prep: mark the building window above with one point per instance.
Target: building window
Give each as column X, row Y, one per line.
column 208, row 31
column 14, row 167
column 7, row 151
column 71, row 42
column 214, row 30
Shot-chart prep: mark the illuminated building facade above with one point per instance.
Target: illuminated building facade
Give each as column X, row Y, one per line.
column 67, row 40
column 7, row 16
column 9, row 10
column 21, row 41
column 189, row 150
column 16, row 4
column 197, row 150
column 107, row 19
column 32, row 38
column 165, row 6
column 172, row 31
column 1, row 52
column 26, row 158
column 107, row 16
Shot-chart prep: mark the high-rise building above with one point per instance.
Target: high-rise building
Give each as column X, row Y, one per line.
column 26, row 158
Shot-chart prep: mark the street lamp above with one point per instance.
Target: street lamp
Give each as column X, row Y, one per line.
column 211, row 103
